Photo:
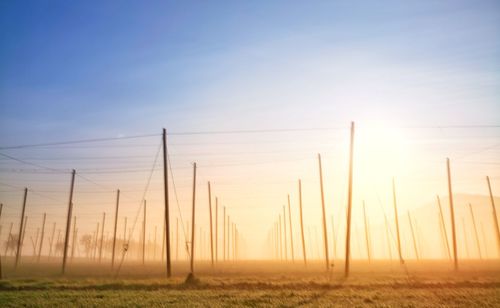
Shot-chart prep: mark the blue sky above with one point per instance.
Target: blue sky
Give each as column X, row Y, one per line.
column 92, row 69
column 98, row 69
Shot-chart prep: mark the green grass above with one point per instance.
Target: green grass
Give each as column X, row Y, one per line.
column 254, row 284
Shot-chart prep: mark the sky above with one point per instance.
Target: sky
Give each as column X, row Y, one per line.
column 420, row 79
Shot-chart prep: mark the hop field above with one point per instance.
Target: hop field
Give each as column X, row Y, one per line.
column 255, row 283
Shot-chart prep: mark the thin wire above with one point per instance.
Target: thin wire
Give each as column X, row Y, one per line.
column 75, row 141
column 33, row 164
column 178, row 206
column 125, row 248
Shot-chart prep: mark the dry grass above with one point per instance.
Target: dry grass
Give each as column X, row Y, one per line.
column 258, row 283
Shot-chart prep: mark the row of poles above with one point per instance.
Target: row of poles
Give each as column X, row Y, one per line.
column 279, row 233
column 231, row 245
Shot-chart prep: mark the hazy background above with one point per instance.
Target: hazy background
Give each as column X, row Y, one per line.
column 421, row 79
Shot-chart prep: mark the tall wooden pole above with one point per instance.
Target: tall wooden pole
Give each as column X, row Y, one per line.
column 475, row 232
column 165, row 188
column 211, row 227
column 51, row 241
column 68, row 221
column 41, row 238
column 216, row 226
column 401, row 261
column 102, row 235
column 73, row 242
column 284, row 234
column 495, row 219
column 177, row 239
column 302, row 224
column 349, row 205
column 114, row 232
column 325, row 237
column 18, row 251
column 452, row 214
column 367, row 234
column 228, row 237
column 193, row 219
column 413, row 236
column 444, row 228
column 24, row 233
column 281, row 245
column 224, row 236
column 144, row 236
column 291, row 231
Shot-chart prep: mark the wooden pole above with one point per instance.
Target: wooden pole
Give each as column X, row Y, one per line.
column 41, row 237
column 216, row 226
column 68, row 221
column 325, row 237
column 281, row 245
column 73, row 242
column 452, row 214
column 302, row 224
column 413, row 236
column 18, row 251
column 102, row 236
column 177, row 239
column 165, row 188
column 193, row 219
column 349, row 204
column 114, row 231
column 495, row 219
column 284, row 233
column 475, row 231
column 96, row 240
column 51, row 241
column 154, row 246
column 211, row 228
column 224, row 236
column 367, row 234
column 401, row 260
column 228, row 237
column 444, row 227
column 144, row 236
column 291, row 231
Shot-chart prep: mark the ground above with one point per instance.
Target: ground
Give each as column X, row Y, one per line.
column 254, row 283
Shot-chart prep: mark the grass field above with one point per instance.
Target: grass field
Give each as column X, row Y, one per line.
column 257, row 283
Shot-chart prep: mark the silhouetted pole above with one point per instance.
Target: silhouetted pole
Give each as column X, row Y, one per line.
column 325, row 237
column 73, row 242
column 41, row 238
column 302, row 224
column 224, row 236
column 68, row 221
column 144, row 236
column 51, row 241
column 284, row 233
column 96, row 240
column 475, row 231
column 452, row 214
column 216, row 226
column 18, row 251
column 102, row 235
column 165, row 188
column 349, row 205
column 281, row 245
column 228, row 237
column 211, row 227
column 193, row 219
column 114, row 232
column 413, row 236
column 495, row 219
column 401, row 261
column 177, row 239
column 367, row 235
column 444, row 227
column 291, row 232
column 24, row 233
